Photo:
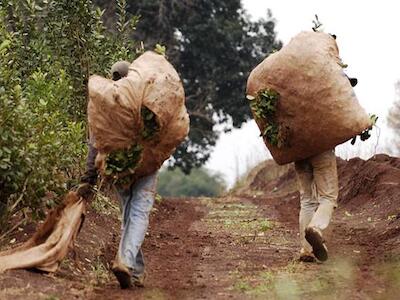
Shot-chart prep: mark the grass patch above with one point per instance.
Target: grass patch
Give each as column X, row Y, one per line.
column 240, row 219
column 297, row 281
column 104, row 205
column 51, row 298
column 154, row 294
column 242, row 286
column 389, row 271
column 99, row 272
column 158, row 198
column 249, row 225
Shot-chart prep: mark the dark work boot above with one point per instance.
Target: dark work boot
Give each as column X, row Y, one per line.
column 122, row 273
column 314, row 238
column 306, row 256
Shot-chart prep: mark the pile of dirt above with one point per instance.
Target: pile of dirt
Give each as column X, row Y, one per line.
column 268, row 178
column 360, row 180
column 377, row 178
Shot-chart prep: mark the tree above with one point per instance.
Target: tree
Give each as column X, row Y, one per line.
column 214, row 45
column 47, row 50
column 198, row 183
column 393, row 119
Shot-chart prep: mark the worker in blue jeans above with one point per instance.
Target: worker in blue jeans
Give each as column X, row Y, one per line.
column 136, row 203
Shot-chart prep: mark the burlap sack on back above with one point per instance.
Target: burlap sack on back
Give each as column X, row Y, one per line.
column 317, row 104
column 114, row 112
column 51, row 242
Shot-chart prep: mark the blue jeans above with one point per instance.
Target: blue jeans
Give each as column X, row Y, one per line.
column 136, row 204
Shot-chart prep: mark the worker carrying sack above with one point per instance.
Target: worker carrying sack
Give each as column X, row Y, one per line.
column 137, row 121
column 302, row 100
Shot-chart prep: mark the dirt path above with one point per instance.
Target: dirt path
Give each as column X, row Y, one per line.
column 231, row 248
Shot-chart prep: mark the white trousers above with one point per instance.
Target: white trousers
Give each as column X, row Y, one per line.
column 318, row 184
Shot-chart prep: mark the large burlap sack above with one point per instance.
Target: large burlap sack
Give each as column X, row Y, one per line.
column 317, row 106
column 51, row 242
column 114, row 112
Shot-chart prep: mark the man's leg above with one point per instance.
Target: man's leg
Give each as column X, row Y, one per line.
column 136, row 204
column 326, row 182
column 138, row 273
column 308, row 204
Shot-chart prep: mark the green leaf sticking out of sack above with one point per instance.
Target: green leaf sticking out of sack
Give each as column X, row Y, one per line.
column 366, row 134
column 150, row 124
column 317, row 24
column 272, row 134
column 160, row 49
column 264, row 106
column 123, row 161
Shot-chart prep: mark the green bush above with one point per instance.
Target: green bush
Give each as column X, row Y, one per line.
column 198, row 183
column 48, row 48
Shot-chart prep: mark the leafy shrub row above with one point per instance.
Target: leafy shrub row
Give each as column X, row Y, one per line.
column 48, row 49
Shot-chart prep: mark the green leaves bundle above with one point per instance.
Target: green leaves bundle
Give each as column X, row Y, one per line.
column 264, row 107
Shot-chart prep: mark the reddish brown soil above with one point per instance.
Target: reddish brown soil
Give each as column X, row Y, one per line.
column 221, row 248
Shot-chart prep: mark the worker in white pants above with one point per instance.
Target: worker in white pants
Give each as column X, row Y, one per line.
column 318, row 185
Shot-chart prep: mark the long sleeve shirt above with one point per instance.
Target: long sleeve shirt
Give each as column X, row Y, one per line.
column 91, row 173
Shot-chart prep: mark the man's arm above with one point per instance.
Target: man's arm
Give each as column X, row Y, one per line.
column 91, row 173
column 89, row 179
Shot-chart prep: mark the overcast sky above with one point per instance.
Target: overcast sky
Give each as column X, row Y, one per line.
column 368, row 36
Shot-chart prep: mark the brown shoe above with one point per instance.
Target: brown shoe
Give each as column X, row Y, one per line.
column 314, row 238
column 123, row 274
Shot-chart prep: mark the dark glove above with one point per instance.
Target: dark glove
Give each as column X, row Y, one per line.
column 86, row 191
column 89, row 177
column 353, row 81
